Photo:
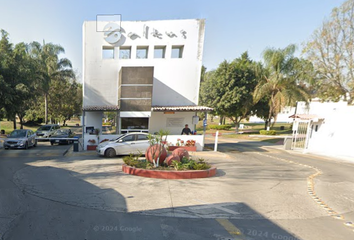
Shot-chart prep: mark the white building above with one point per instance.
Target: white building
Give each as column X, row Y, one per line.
column 147, row 72
column 326, row 128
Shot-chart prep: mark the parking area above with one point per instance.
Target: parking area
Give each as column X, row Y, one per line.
column 43, row 149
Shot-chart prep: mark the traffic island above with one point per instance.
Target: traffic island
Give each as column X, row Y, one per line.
column 169, row 174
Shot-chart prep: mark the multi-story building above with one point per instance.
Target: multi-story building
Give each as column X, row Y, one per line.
column 145, row 72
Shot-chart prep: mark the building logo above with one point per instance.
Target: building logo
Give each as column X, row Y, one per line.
column 112, row 33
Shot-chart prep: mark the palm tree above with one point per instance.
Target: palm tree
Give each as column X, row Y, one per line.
column 279, row 80
column 49, row 67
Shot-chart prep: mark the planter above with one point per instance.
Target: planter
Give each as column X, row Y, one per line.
column 166, row 174
column 91, row 147
column 189, row 149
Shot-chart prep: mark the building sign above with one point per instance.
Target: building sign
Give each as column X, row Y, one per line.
column 174, row 122
column 112, row 33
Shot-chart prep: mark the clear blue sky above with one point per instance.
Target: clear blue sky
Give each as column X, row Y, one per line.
column 232, row 26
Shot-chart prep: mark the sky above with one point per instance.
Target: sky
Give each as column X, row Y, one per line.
column 232, row 26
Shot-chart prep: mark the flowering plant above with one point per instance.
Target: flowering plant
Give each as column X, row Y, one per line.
column 190, row 143
column 180, row 142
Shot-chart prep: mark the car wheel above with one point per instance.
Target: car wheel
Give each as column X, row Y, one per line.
column 110, row 152
column 26, row 145
column 35, row 143
column 6, row 148
column 51, row 143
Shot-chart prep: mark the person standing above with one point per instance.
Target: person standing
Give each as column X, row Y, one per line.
column 186, row 130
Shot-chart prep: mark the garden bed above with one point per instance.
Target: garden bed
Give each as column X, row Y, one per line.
column 169, row 174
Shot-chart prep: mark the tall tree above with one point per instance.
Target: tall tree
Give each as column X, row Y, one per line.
column 16, row 78
column 279, row 80
column 229, row 89
column 49, row 68
column 331, row 49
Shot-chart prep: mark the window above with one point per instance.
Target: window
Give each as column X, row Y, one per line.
column 159, row 51
column 177, row 52
column 125, row 52
column 142, row 52
column 128, row 138
column 142, row 137
column 135, row 123
column 107, row 52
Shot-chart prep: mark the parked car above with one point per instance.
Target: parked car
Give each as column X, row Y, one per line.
column 125, row 144
column 62, row 133
column 21, row 138
column 46, row 131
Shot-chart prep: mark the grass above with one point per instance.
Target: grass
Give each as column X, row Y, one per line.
column 8, row 125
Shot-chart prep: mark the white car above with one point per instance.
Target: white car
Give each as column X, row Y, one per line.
column 125, row 144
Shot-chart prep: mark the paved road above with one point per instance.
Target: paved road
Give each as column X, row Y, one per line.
column 257, row 194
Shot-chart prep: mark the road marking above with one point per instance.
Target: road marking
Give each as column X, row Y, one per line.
column 220, row 206
column 311, row 188
column 230, row 228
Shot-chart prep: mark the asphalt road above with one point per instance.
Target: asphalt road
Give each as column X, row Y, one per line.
column 259, row 193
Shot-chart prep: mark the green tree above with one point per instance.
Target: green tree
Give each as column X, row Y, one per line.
column 280, row 80
column 65, row 100
column 229, row 88
column 331, row 50
column 49, row 68
column 16, row 79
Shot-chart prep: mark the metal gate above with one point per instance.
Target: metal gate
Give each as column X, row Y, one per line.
column 301, row 130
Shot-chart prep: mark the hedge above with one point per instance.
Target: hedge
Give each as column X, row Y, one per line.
column 220, row 127
column 266, row 132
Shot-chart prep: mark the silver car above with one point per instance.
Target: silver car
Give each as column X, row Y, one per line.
column 22, row 138
column 125, row 144
column 46, row 131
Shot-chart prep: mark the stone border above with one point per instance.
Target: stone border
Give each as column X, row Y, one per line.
column 166, row 174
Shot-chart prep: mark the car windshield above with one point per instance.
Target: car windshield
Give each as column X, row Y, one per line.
column 62, row 132
column 18, row 134
column 44, row 128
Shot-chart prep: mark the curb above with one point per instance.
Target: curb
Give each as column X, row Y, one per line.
column 165, row 174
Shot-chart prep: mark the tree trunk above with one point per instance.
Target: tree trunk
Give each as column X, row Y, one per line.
column 237, row 126
column 221, row 118
column 21, row 122
column 14, row 122
column 46, row 108
column 265, row 124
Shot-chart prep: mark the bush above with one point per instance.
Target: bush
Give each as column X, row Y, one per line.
column 266, row 132
column 134, row 161
column 190, row 164
column 220, row 127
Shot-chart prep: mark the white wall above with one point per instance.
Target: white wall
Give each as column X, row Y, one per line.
column 283, row 116
column 158, row 121
column 176, row 81
column 335, row 136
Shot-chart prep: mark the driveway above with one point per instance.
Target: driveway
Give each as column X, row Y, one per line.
column 256, row 194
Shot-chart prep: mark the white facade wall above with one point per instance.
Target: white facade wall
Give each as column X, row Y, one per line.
column 335, row 135
column 283, row 116
column 159, row 121
column 176, row 80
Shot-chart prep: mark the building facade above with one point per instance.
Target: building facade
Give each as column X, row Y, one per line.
column 145, row 72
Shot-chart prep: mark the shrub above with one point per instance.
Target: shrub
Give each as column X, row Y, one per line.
column 266, row 132
column 220, row 127
column 134, row 161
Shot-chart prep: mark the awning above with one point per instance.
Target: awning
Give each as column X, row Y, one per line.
column 306, row 116
column 101, row 108
column 181, row 109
